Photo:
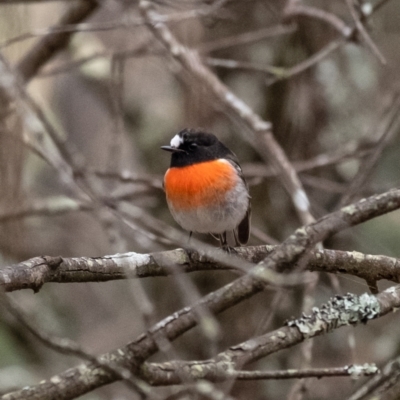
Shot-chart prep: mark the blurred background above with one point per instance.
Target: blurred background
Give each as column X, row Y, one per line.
column 114, row 96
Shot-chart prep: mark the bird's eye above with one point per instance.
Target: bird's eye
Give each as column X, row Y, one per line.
column 192, row 146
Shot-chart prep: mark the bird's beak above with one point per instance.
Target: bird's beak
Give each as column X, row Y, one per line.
column 172, row 149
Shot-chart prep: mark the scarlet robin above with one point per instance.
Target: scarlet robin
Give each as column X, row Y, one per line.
column 205, row 188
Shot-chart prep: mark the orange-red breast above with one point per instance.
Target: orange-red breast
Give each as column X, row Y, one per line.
column 205, row 188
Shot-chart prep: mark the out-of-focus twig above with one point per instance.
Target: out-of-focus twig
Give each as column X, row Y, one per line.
column 73, row 25
column 69, row 347
column 378, row 5
column 276, row 74
column 337, row 312
column 363, row 32
column 323, row 184
column 387, row 127
column 49, row 45
column 235, row 64
column 246, row 38
column 34, row 120
column 282, row 73
column 352, row 150
column 260, row 131
column 355, row 308
column 295, row 9
column 378, row 385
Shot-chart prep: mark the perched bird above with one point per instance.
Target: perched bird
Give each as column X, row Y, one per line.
column 205, row 188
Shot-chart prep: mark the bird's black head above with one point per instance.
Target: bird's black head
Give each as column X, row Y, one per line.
column 191, row 146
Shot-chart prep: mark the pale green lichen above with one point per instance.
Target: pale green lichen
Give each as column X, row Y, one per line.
column 281, row 335
column 197, row 371
column 357, row 256
column 351, row 209
column 300, row 232
column 297, row 249
column 361, row 370
column 339, row 311
column 391, row 290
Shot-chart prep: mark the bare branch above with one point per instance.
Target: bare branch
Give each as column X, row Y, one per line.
column 363, row 32
column 387, row 379
column 283, row 73
column 350, row 151
column 71, row 348
column 385, row 131
column 31, row 1
column 246, row 38
column 339, row 312
column 34, row 273
column 294, row 9
column 49, row 207
column 47, row 47
column 260, row 130
column 218, row 371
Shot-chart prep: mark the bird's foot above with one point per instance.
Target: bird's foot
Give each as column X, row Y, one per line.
column 228, row 249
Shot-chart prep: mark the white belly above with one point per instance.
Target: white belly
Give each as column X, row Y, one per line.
column 225, row 217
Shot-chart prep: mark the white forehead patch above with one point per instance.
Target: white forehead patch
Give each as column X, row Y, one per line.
column 176, row 141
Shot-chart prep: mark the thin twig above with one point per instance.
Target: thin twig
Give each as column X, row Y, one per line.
column 47, row 47
column 388, row 377
column 294, row 9
column 260, row 131
column 378, row 5
column 220, row 375
column 246, row 38
column 282, row 73
column 71, row 348
column 352, row 309
column 363, row 32
column 387, row 127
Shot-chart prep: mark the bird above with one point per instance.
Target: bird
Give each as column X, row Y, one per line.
column 205, row 188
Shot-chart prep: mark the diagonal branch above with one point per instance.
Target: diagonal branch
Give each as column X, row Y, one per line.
column 338, row 312
column 88, row 376
column 363, row 32
column 389, row 122
column 261, row 136
column 48, row 46
column 69, row 347
column 294, row 9
column 381, row 383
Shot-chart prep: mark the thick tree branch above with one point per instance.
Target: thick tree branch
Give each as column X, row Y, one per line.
column 34, row 273
column 340, row 311
column 69, row 347
column 80, row 380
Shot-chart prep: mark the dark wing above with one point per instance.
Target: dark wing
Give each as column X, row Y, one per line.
column 243, row 229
